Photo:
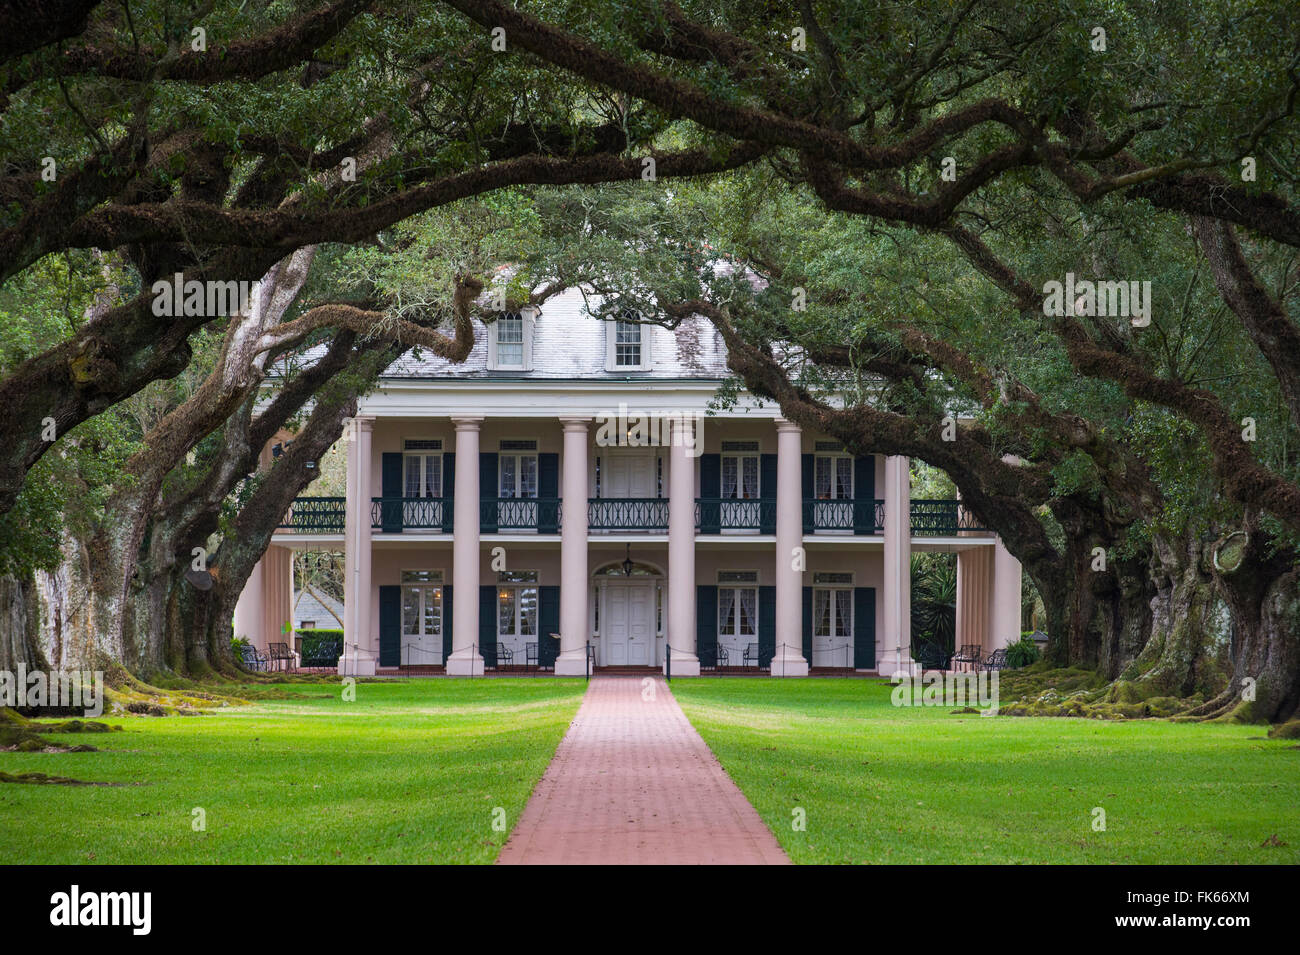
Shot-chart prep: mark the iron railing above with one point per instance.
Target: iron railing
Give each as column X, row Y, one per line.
column 942, row 518
column 713, row 514
column 627, row 514
column 844, row 515
column 399, row 512
column 541, row 514
column 316, row 515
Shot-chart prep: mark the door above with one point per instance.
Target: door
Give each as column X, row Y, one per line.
column 832, row 638
column 630, row 475
column 629, row 624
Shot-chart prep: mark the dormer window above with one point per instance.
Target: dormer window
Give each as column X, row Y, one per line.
column 627, row 343
column 510, row 342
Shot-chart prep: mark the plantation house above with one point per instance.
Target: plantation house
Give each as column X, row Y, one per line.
column 519, row 495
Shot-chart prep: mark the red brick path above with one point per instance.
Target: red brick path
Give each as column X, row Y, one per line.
column 633, row 783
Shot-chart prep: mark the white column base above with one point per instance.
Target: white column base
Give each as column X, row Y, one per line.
column 465, row 663
column 357, row 662
column 897, row 662
column 789, row 665
column 571, row 663
column 684, row 664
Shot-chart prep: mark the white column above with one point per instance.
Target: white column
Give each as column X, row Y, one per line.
column 685, row 448
column 897, row 614
column 1004, row 628
column 366, row 628
column 789, row 659
column 465, row 659
column 249, row 609
column 360, row 657
column 574, row 625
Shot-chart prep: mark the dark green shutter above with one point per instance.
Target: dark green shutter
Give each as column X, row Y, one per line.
column 487, row 624
column 548, row 491
column 864, row 495
column 706, row 625
column 766, row 626
column 767, row 494
column 548, row 622
column 449, row 492
column 487, row 491
column 864, row 628
column 807, row 624
column 447, row 604
column 390, row 626
column 806, row 489
column 710, row 493
column 390, row 510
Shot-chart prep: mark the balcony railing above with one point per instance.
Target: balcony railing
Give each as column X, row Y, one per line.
column 713, row 515
column 315, row 515
column 326, row 515
column 860, row 516
column 627, row 514
column 396, row 513
column 942, row 518
column 541, row 514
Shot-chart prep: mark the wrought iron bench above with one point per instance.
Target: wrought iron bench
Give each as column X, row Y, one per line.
column 997, row 660
column 724, row 659
column 505, row 655
column 253, row 658
column 279, row 655
column 530, row 655
column 750, row 655
column 970, row 654
column 931, row 656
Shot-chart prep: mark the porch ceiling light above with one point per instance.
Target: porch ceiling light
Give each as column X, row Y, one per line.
column 627, row 561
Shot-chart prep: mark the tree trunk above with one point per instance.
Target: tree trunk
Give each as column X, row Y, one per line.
column 1262, row 591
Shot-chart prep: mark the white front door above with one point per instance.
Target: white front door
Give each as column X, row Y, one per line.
column 630, row 475
column 629, row 624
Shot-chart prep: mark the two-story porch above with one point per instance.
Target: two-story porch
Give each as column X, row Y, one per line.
column 754, row 542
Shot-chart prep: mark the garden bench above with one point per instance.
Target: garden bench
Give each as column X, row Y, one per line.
column 750, row 655
column 505, row 655
column 930, row 656
column 997, row 660
column 969, row 655
column 723, row 658
column 280, row 655
column 252, row 658
column 530, row 655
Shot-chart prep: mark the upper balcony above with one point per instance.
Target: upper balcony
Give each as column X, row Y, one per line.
column 542, row 516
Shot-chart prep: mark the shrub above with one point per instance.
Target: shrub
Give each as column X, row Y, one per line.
column 321, row 648
column 1022, row 653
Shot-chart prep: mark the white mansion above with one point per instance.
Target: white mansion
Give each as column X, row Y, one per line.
column 569, row 480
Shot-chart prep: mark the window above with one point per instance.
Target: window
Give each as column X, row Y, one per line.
column 740, row 474
column 517, row 466
column 510, row 344
column 738, row 604
column 627, row 344
column 307, row 625
column 517, row 603
column 421, row 471
column 833, row 477
column 421, row 616
column 510, row 340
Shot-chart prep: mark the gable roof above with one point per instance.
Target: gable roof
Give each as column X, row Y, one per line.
column 324, row 610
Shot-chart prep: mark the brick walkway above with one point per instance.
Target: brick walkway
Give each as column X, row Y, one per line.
column 633, row 783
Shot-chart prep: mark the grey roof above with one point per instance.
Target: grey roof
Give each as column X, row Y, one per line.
column 324, row 610
column 569, row 343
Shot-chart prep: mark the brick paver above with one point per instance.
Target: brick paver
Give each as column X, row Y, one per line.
column 633, row 783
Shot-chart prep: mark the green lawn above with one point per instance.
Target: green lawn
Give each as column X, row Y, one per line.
column 889, row 784
column 410, row 772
